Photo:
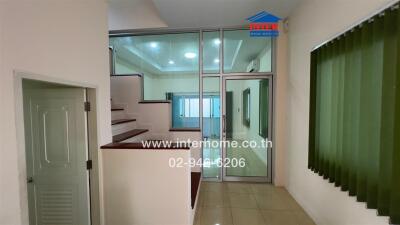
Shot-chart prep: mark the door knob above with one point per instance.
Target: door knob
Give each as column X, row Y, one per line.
column 30, row 180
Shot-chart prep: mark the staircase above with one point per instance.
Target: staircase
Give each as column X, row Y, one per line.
column 124, row 128
column 133, row 121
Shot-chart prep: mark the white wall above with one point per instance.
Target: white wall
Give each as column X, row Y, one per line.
column 265, row 60
column 63, row 39
column 126, row 90
column 183, row 83
column 311, row 24
column 279, row 117
column 141, row 188
column 122, row 67
column 195, row 151
column 156, row 85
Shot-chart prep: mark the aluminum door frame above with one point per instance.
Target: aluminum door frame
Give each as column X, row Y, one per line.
column 268, row 178
column 241, row 75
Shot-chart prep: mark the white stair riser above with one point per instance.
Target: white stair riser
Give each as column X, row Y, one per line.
column 123, row 127
column 116, row 115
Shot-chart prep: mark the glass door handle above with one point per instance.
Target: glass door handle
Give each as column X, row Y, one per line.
column 29, row 180
column 224, row 124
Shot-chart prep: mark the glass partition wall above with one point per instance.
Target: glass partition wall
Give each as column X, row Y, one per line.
column 192, row 69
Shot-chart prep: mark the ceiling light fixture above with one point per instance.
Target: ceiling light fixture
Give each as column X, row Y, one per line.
column 216, row 60
column 153, row 44
column 171, row 62
column 190, row 55
column 217, row 41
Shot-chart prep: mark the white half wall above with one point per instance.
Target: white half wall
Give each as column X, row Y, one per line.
column 195, row 150
column 141, row 188
column 311, row 24
column 62, row 40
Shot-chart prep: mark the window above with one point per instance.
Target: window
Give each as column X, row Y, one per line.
column 211, row 46
column 354, row 113
column 207, row 107
column 190, row 107
column 185, row 110
column 168, row 62
column 246, row 107
column 211, row 108
column 243, row 53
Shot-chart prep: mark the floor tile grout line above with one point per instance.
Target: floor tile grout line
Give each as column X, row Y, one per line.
column 252, row 192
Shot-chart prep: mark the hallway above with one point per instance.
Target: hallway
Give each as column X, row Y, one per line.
column 229, row 203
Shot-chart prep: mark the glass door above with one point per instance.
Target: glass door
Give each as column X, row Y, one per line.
column 211, row 123
column 246, row 128
column 236, row 73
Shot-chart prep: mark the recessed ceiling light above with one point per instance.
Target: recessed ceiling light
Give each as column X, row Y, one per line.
column 171, row 62
column 190, row 55
column 216, row 60
column 153, row 44
column 217, row 41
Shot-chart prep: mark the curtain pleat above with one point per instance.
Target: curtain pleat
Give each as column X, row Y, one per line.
column 364, row 128
column 387, row 112
column 394, row 210
column 346, row 130
column 375, row 112
column 312, row 140
column 355, row 113
column 355, row 109
column 339, row 129
column 317, row 155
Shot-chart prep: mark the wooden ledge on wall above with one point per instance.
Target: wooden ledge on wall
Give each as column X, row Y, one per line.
column 155, row 102
column 195, row 129
column 140, row 146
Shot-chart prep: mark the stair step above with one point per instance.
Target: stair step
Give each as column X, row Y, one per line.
column 195, row 183
column 127, row 135
column 121, row 121
column 117, row 109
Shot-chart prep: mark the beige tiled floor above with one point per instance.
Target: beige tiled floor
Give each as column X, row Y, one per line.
column 247, row 204
column 255, row 166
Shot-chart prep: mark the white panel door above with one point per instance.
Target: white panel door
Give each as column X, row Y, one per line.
column 56, row 149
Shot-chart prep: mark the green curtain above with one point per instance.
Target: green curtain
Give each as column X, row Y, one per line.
column 354, row 139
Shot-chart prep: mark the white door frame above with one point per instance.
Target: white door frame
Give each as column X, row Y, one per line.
column 96, row 214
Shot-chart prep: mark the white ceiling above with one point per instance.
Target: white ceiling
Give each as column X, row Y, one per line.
column 137, row 14
column 192, row 13
column 218, row 13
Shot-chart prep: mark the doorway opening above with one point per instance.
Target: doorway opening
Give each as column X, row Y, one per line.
column 244, row 152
